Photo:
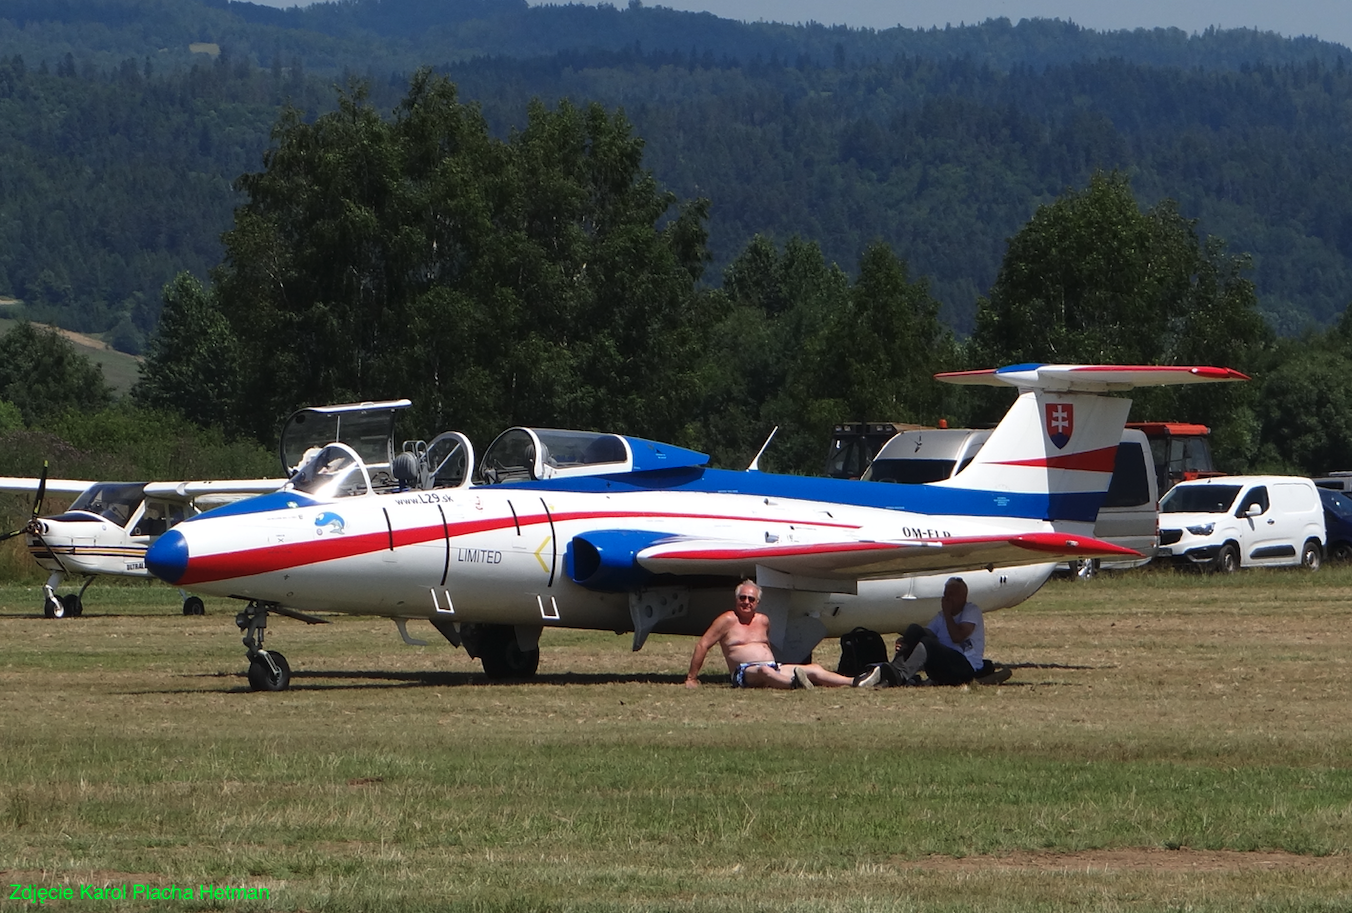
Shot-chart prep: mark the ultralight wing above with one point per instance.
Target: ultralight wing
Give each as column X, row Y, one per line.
column 22, row 486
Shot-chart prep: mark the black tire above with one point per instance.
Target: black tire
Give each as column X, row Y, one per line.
column 1227, row 562
column 1311, row 555
column 1086, row 570
column 502, row 656
column 74, row 605
column 53, row 608
column 262, row 678
column 1341, row 552
column 194, row 606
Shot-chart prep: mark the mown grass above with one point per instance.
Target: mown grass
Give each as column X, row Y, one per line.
column 1167, row 742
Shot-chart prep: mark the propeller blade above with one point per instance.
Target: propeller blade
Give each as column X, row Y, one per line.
column 42, row 491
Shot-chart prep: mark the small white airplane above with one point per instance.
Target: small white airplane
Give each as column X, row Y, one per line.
column 109, row 526
column 606, row 532
column 107, row 529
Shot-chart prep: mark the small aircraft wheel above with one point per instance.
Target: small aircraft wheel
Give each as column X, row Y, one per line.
column 194, row 606
column 1227, row 562
column 261, row 676
column 1311, row 556
column 503, row 657
column 53, row 608
column 73, row 605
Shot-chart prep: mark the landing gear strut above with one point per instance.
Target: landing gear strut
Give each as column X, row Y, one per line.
column 70, row 605
column 268, row 669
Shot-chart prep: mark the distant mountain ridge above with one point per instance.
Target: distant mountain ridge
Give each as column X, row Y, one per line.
column 941, row 142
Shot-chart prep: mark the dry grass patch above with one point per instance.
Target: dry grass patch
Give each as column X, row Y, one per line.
column 1167, row 742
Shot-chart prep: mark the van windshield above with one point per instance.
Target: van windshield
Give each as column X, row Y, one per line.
column 1199, row 499
column 910, row 472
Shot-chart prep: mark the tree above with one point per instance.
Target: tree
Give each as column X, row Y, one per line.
column 43, row 375
column 192, row 361
column 1093, row 279
column 541, row 279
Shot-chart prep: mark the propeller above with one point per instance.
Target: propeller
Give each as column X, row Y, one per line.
column 37, row 507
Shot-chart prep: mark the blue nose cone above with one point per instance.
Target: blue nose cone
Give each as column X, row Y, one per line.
column 167, row 557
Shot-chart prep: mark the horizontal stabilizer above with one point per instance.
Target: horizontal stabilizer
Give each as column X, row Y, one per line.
column 862, row 560
column 1090, row 378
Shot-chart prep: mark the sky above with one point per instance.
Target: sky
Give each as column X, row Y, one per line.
column 1330, row 20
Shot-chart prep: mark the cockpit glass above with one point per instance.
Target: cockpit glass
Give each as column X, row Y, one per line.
column 113, row 501
column 333, row 472
column 366, row 432
column 1199, row 499
column 566, row 449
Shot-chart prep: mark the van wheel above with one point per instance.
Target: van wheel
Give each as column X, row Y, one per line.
column 1311, row 556
column 1341, row 552
column 1227, row 562
column 1087, row 570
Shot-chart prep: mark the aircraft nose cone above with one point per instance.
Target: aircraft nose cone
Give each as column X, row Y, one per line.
column 167, row 557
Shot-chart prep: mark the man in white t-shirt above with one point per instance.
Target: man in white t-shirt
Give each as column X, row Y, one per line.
column 951, row 648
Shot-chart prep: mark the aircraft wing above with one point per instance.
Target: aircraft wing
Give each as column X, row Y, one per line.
column 19, row 486
column 865, row 560
column 225, row 488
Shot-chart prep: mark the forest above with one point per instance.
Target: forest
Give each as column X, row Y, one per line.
column 121, row 149
column 764, row 226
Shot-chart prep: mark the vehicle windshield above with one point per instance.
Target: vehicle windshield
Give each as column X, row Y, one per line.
column 332, row 472
column 368, row 428
column 113, row 501
column 1336, row 503
column 910, row 472
column 1199, row 499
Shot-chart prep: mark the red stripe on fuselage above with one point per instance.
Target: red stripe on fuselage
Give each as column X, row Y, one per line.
column 283, row 555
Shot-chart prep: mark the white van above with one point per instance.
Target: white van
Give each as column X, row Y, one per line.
column 1129, row 514
column 1230, row 522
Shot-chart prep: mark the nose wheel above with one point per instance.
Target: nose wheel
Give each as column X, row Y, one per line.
column 268, row 669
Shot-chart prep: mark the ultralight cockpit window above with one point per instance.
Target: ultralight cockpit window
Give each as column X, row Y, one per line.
column 333, row 472
column 113, row 501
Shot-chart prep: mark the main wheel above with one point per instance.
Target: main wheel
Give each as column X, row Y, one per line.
column 194, row 606
column 503, row 657
column 1312, row 555
column 73, row 605
column 1227, row 562
column 261, row 676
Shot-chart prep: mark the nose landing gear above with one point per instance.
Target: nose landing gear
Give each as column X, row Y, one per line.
column 268, row 669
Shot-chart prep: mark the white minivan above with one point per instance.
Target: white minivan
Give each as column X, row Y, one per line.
column 1230, row 522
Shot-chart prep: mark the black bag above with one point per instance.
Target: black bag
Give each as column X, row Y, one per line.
column 860, row 649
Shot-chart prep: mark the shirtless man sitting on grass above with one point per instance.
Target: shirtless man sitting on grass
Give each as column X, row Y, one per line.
column 744, row 636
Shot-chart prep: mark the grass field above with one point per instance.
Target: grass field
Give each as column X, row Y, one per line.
column 1167, row 742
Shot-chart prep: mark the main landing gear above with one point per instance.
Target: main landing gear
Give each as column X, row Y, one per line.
column 268, row 669
column 71, row 605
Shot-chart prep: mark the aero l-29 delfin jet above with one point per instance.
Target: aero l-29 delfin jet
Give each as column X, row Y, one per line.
column 601, row 531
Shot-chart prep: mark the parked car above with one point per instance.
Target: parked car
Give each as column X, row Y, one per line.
column 1128, row 517
column 1338, row 523
column 1336, row 481
column 1230, row 522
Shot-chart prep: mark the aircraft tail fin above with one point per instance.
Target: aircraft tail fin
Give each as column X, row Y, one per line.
column 1058, row 442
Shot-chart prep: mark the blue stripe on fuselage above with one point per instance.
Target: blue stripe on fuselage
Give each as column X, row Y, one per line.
column 276, row 500
column 920, row 499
